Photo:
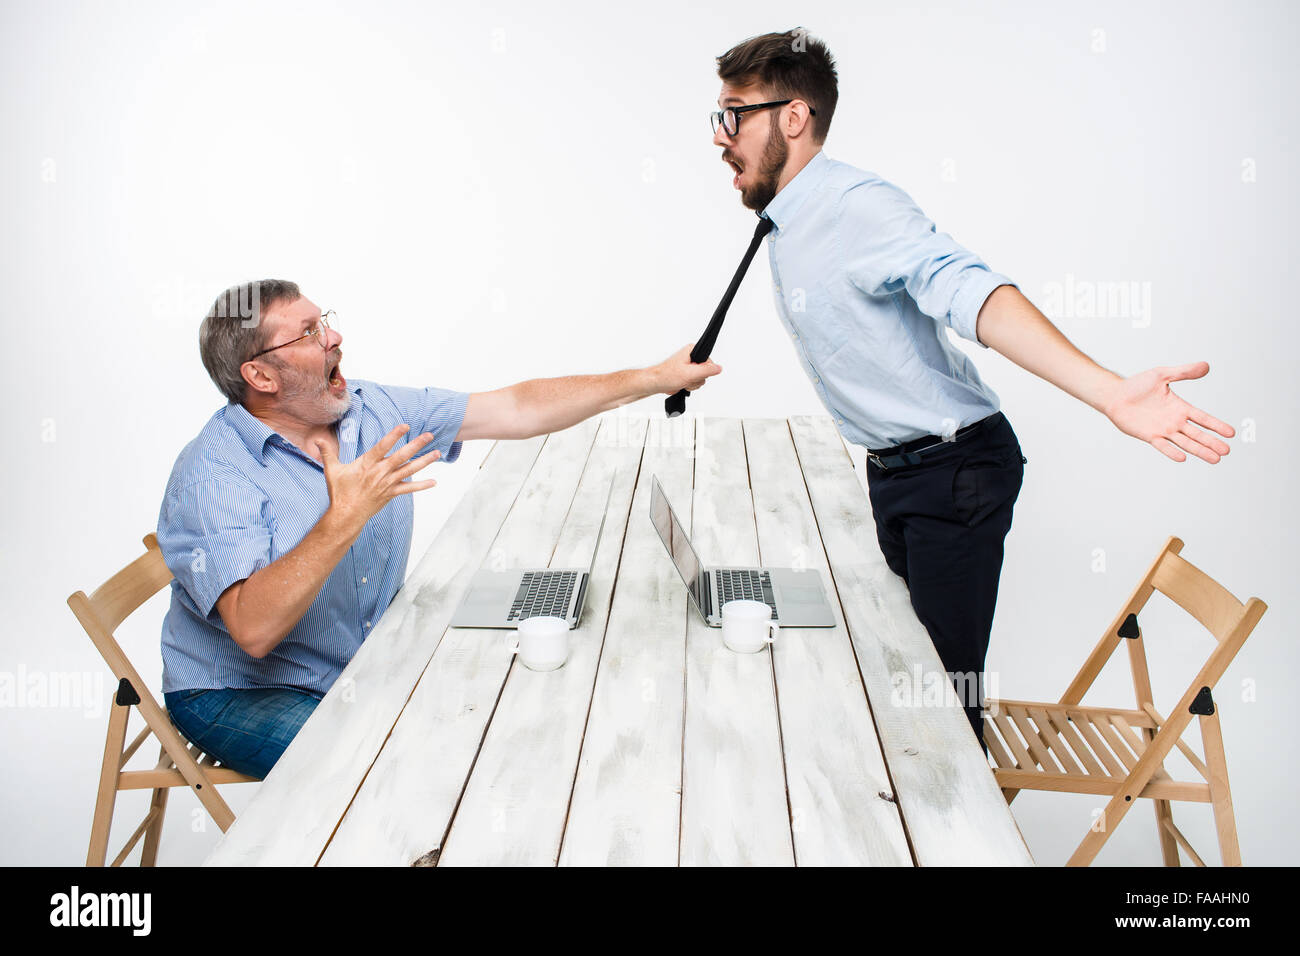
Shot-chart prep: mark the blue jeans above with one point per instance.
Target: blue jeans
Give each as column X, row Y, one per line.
column 247, row 730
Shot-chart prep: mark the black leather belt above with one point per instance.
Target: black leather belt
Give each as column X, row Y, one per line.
column 909, row 453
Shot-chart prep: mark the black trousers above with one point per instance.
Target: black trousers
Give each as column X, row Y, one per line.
column 941, row 525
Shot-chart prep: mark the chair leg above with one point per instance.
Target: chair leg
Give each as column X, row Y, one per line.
column 1216, row 763
column 106, row 798
column 1164, row 811
column 1168, row 845
column 152, row 836
column 1009, row 793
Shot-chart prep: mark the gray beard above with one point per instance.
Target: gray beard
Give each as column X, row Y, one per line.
column 310, row 401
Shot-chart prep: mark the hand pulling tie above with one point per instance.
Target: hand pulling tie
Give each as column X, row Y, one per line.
column 674, row 405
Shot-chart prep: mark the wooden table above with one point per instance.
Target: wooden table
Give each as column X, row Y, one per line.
column 653, row 744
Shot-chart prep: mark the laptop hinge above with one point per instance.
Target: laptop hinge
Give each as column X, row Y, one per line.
column 706, row 590
column 582, row 591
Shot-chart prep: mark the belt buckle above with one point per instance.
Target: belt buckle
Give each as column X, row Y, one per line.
column 906, row 458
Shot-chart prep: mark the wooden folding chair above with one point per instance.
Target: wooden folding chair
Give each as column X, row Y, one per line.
column 180, row 764
column 1119, row 752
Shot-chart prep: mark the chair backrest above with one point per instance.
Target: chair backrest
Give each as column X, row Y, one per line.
column 115, row 600
column 1205, row 599
column 1197, row 593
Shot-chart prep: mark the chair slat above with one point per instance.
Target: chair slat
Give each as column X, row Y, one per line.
column 1131, row 736
column 1023, row 759
column 1137, row 718
column 1035, row 742
column 1084, row 725
column 1054, row 743
column 1065, row 727
column 1000, row 756
column 1116, row 742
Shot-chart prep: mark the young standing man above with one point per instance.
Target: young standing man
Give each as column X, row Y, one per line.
column 864, row 284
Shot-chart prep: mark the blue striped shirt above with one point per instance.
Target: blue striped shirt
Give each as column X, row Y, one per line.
column 864, row 286
column 241, row 496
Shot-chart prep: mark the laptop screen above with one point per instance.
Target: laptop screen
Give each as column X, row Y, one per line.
column 675, row 540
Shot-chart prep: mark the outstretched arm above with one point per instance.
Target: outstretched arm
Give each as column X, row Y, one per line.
column 544, row 405
column 1142, row 405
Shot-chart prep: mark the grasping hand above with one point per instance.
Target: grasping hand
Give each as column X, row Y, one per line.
column 1145, row 407
column 678, row 371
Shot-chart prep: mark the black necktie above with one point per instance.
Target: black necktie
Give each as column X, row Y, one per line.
column 674, row 405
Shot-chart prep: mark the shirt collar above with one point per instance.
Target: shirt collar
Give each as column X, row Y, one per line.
column 255, row 433
column 787, row 202
column 252, row 431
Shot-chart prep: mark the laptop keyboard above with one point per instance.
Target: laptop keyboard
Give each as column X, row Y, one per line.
column 543, row 594
column 745, row 586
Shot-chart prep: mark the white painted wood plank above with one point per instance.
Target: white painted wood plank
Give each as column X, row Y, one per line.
column 301, row 800
column 513, row 810
column 952, row 808
column 734, row 809
column 841, row 798
column 401, row 812
column 626, row 804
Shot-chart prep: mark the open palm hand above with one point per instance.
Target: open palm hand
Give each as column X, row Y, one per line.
column 1146, row 408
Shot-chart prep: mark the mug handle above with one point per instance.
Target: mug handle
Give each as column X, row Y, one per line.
column 775, row 628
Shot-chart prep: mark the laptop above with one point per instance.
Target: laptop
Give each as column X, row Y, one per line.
column 502, row 599
column 796, row 598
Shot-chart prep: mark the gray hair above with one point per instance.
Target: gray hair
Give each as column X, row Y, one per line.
column 232, row 332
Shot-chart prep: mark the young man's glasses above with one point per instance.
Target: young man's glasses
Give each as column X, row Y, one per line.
column 729, row 118
column 318, row 330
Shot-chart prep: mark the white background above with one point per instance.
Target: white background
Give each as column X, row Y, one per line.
column 507, row 191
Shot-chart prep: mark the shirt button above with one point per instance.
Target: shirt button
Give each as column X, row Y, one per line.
column 838, row 421
column 816, row 380
column 363, row 580
column 368, row 623
column 795, row 334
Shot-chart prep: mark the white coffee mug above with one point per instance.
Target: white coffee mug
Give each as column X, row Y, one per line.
column 747, row 626
column 542, row 644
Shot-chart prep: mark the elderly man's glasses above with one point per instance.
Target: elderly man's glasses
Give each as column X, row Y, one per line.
column 318, row 330
column 729, row 118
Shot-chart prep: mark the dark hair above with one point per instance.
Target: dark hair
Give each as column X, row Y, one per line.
column 233, row 332
column 790, row 65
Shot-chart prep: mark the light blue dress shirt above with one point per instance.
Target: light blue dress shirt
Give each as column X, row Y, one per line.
column 241, row 496
column 864, row 285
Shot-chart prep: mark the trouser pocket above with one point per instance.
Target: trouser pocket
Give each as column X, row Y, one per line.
column 985, row 482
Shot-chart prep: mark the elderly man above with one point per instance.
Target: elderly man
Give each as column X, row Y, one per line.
column 287, row 521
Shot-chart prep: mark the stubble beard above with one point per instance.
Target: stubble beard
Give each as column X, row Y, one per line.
column 770, row 166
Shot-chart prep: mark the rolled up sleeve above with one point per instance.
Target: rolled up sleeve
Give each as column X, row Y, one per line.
column 889, row 244
column 214, row 533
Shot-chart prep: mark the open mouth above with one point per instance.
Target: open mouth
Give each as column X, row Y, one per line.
column 334, row 378
column 735, row 182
